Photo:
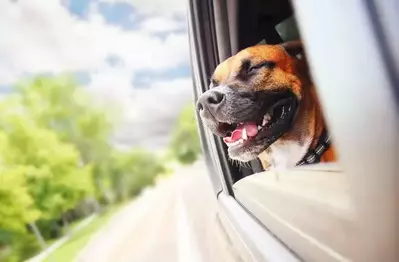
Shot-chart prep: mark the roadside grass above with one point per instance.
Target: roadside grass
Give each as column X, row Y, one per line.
column 68, row 251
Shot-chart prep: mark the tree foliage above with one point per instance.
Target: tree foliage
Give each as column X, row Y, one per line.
column 40, row 179
column 17, row 205
column 54, row 154
column 50, row 167
column 61, row 105
column 132, row 171
column 185, row 143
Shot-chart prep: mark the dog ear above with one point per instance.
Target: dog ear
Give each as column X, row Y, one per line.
column 293, row 48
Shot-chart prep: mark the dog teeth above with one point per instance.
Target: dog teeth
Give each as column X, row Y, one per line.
column 259, row 127
column 266, row 119
column 244, row 134
column 264, row 122
column 232, row 144
column 235, row 143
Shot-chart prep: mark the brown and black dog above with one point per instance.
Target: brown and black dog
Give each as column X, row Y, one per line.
column 263, row 103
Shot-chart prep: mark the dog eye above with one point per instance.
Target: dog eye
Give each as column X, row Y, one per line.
column 267, row 64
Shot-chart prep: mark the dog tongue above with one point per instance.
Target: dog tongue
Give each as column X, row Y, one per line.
column 251, row 128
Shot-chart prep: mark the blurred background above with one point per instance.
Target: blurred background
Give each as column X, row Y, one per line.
column 96, row 107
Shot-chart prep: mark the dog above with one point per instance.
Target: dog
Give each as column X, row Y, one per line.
column 263, row 103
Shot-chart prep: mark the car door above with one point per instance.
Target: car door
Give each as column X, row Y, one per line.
column 346, row 211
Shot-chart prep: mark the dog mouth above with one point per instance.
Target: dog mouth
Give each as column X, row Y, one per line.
column 260, row 132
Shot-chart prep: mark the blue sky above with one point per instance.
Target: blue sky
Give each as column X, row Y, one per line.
column 119, row 14
column 79, row 7
column 143, row 78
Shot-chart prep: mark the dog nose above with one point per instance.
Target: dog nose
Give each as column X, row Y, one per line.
column 210, row 100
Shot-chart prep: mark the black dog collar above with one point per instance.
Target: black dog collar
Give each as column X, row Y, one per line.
column 313, row 155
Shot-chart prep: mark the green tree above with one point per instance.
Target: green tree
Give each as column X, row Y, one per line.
column 132, row 171
column 59, row 104
column 51, row 168
column 16, row 204
column 145, row 166
column 17, row 209
column 54, row 153
column 41, row 179
column 185, row 144
column 53, row 141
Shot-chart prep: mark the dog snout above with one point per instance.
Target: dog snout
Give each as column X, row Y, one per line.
column 210, row 101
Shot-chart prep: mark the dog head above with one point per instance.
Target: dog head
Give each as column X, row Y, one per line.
column 253, row 98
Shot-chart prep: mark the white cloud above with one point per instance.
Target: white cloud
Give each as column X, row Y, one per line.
column 155, row 112
column 37, row 37
column 160, row 24
column 163, row 96
column 158, row 7
column 111, row 86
